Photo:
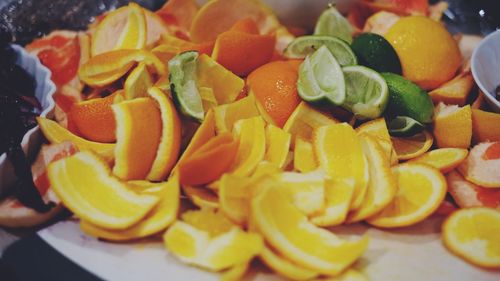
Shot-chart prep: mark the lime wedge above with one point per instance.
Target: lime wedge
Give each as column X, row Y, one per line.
column 408, row 99
column 332, row 23
column 366, row 92
column 183, row 86
column 302, row 46
column 321, row 79
column 404, row 126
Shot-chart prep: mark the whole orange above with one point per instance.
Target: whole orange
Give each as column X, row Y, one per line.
column 428, row 53
column 274, row 86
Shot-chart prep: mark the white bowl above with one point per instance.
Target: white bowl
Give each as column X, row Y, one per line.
column 486, row 67
column 44, row 92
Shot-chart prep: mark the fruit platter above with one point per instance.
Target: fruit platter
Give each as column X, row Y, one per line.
column 214, row 140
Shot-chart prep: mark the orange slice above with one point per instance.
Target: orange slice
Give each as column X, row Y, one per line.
column 443, row 159
column 170, row 140
column 225, row 85
column 234, row 197
column 306, row 191
column 212, row 221
column 224, row 251
column 304, row 159
column 382, row 185
column 455, row 91
column 304, row 120
column 340, row 154
column 158, row 219
column 138, row 134
column 85, row 185
column 338, row 197
column 288, row 231
column 252, row 145
column 472, row 234
column 285, row 267
column 235, row 273
column 104, row 69
column 277, row 145
column 124, row 28
column 421, row 189
column 201, row 197
column 411, row 147
column 453, row 126
column 485, row 126
column 55, row 133
column 227, row 115
column 138, row 82
column 378, row 128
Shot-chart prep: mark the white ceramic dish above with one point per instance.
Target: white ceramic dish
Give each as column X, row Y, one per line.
column 44, row 91
column 486, row 67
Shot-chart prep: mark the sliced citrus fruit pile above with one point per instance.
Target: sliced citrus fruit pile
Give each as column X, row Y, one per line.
column 197, row 123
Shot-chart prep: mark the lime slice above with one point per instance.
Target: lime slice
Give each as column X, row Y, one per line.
column 305, row 45
column 366, row 92
column 403, row 126
column 185, row 92
column 376, row 53
column 408, row 99
column 321, row 79
column 332, row 23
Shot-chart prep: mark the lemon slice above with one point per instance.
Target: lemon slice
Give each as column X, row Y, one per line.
column 84, row 184
column 55, row 133
column 158, row 219
column 288, row 231
column 306, row 191
column 378, row 128
column 340, row 154
column 212, row 221
column 226, row 250
column 421, row 189
column 382, row 185
column 252, row 146
column 277, row 145
column 201, row 197
column 234, row 196
column 472, row 234
column 285, row 267
column 443, row 159
column 235, row 273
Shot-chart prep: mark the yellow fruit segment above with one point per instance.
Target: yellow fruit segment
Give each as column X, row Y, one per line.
column 277, row 145
column 304, row 159
column 306, row 191
column 138, row 134
column 170, row 140
column 472, row 234
column 124, row 28
column 411, row 147
column 55, row 133
column 421, row 189
column 106, row 68
column 285, row 267
column 226, row 250
column 340, row 154
column 225, row 84
column 201, row 197
column 382, row 185
column 443, row 159
column 304, row 120
column 235, row 273
column 138, row 82
column 234, row 196
column 227, row 115
column 158, row 219
column 288, row 231
column 252, row 145
column 208, row 99
column 485, row 125
column 453, row 126
column 338, row 198
column 85, row 185
column 212, row 221
column 378, row 128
